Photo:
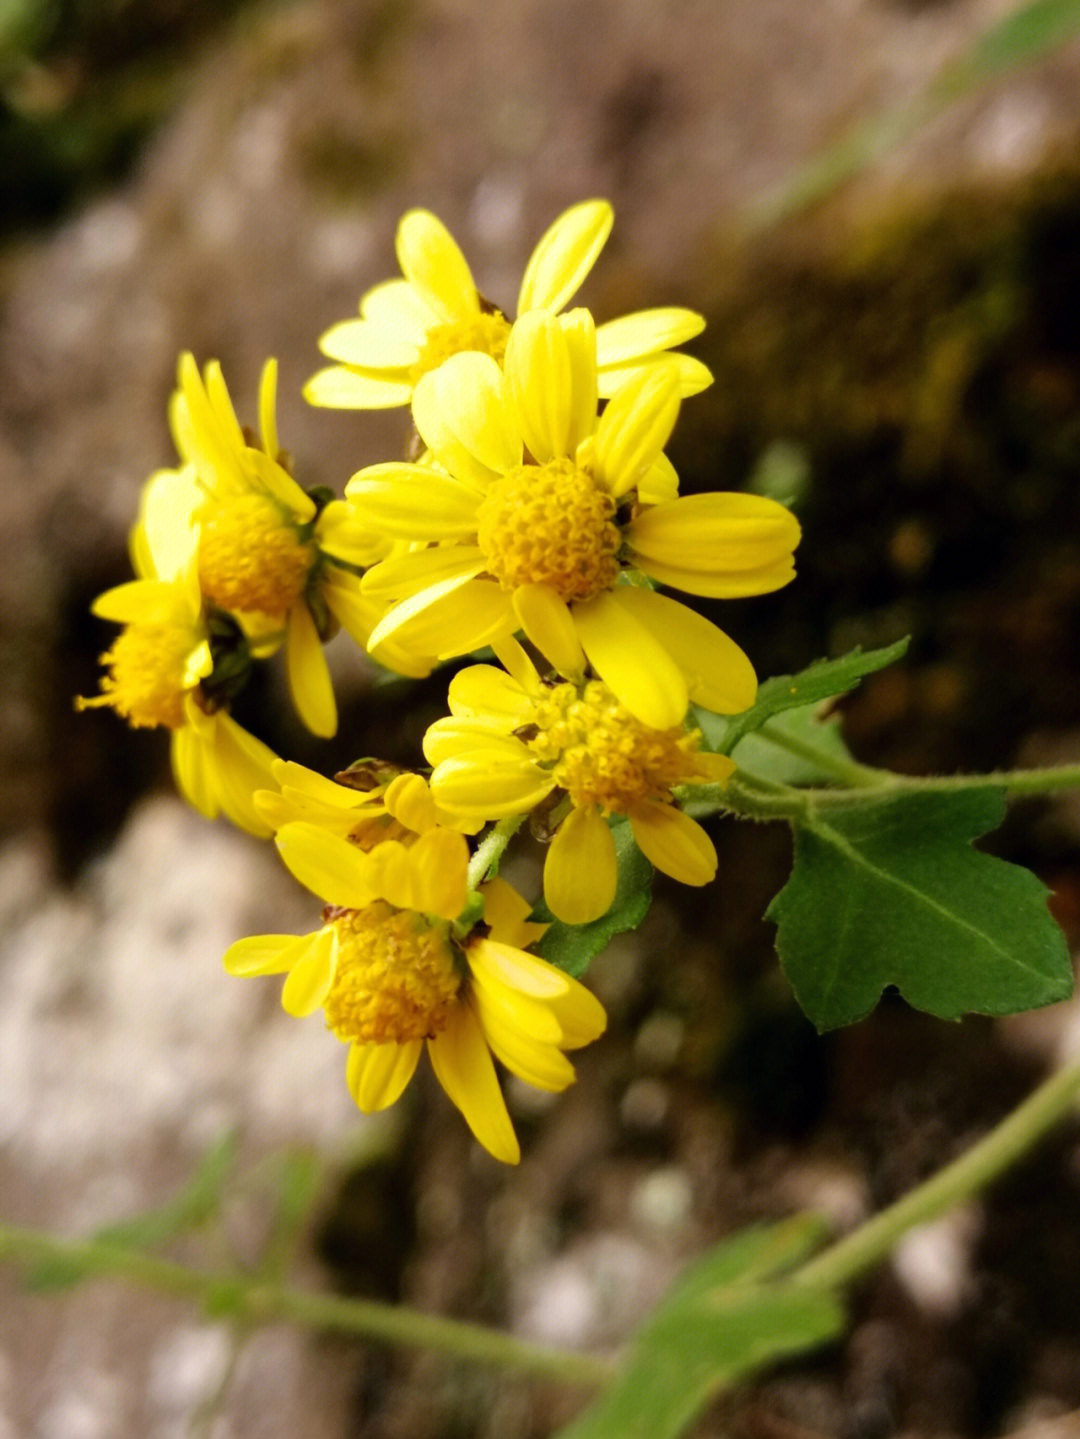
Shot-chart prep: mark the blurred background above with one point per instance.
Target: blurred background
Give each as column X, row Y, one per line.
column 895, row 333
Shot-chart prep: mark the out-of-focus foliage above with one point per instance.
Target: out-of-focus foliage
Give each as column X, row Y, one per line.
column 82, row 82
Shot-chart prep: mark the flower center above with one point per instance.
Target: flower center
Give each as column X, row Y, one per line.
column 603, row 755
column 147, row 675
column 550, row 525
column 485, row 332
column 251, row 559
column 395, row 980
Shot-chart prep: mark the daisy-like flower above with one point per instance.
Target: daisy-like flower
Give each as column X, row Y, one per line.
column 367, row 804
column 408, row 327
column 512, row 741
column 261, row 539
column 159, row 672
column 393, row 972
column 538, row 509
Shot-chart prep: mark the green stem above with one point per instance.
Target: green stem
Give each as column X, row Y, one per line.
column 490, row 849
column 765, row 799
column 984, row 1162
column 847, row 771
column 247, row 1301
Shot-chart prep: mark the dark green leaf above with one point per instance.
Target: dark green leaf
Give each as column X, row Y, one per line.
column 889, row 891
column 821, row 681
column 722, row 1321
column 572, row 947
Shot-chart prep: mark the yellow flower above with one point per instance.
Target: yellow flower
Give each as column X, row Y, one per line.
column 512, row 741
column 159, row 672
column 392, row 974
column 408, row 327
column 261, row 539
column 537, row 510
column 367, row 804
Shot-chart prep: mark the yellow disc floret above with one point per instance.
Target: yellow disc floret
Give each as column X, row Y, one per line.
column 251, row 559
column 602, row 755
column 550, row 525
column 148, row 674
column 485, row 332
column 396, row 979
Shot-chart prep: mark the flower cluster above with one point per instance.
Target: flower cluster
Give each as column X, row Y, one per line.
column 539, row 517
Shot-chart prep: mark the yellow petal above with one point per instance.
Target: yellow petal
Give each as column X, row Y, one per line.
column 580, row 872
column 540, row 380
column 326, row 864
column 337, row 388
column 507, row 914
column 309, row 674
column 632, row 662
column 462, row 415
column 430, row 260
column 340, row 534
column 718, row 675
column 261, row 954
column 378, row 1073
column 565, row 254
column 660, row 484
column 490, row 783
column 715, row 533
column 451, row 618
column 462, row 1064
column 412, row 502
column 491, row 693
column 673, row 842
column 535, row 997
column 635, row 427
column 396, row 305
column 409, row 800
column 482, row 739
column 579, row 328
column 268, row 409
column 146, row 602
column 548, row 623
column 370, row 345
column 238, row 765
column 430, row 877
column 311, row 975
column 166, row 536
column 359, row 615
column 693, row 375
column 727, row 585
column 646, row 332
column 399, row 576
column 543, row 1065
column 189, row 766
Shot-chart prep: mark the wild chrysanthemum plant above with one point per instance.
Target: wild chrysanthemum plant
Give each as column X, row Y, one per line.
column 543, row 519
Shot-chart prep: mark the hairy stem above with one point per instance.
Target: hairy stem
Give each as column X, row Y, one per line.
column 247, row 1301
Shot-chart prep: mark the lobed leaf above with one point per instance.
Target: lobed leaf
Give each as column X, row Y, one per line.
column 728, row 1316
column 887, row 890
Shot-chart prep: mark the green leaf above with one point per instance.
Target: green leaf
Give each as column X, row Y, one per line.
column 796, row 748
column 196, row 1203
column 823, row 680
column 1016, row 39
column 887, row 890
column 573, row 947
column 720, row 1322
